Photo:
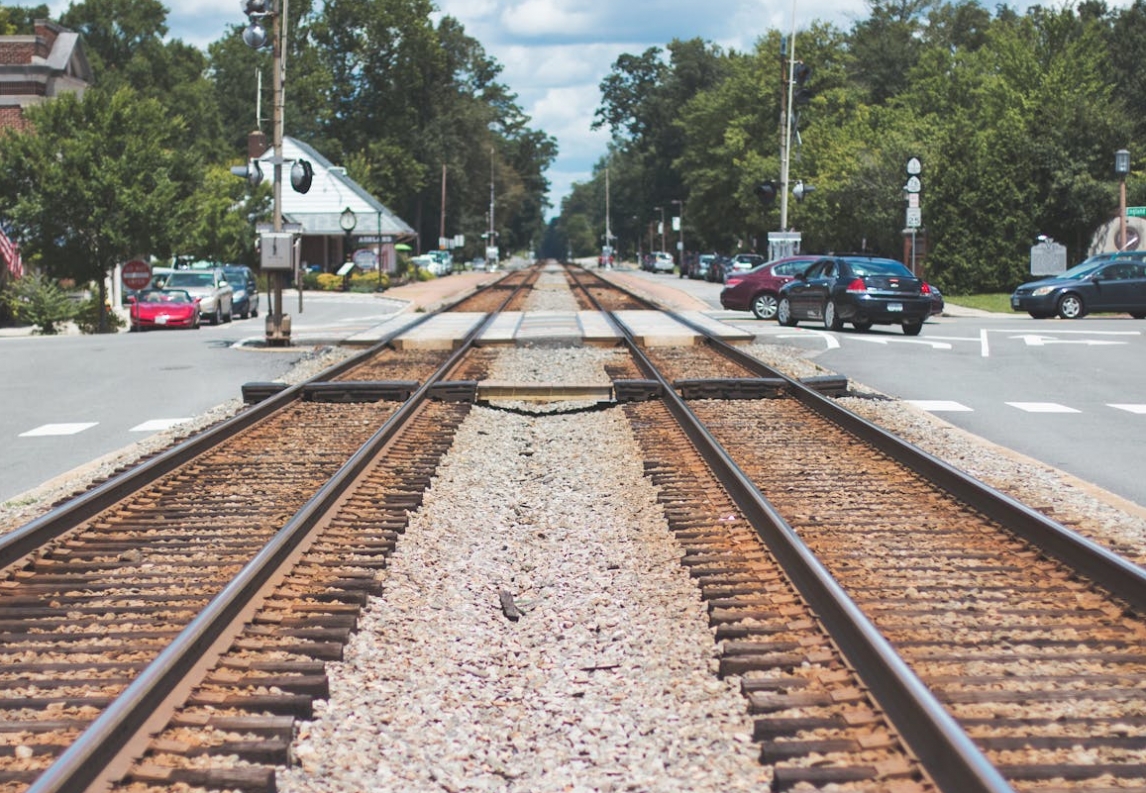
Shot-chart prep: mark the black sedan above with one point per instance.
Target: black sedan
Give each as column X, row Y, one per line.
column 1098, row 284
column 862, row 290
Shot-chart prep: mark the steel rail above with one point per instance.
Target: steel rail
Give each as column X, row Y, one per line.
column 944, row 749
column 105, row 750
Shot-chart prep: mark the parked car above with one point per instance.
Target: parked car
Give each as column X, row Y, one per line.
column 717, row 269
column 663, row 262
column 703, row 262
column 605, row 259
column 163, row 308
column 862, row 290
column 1098, row 284
column 742, row 263
column 937, row 304
column 245, row 297
column 758, row 289
column 210, row 286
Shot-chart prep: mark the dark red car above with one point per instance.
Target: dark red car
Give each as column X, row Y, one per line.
column 756, row 290
column 163, row 308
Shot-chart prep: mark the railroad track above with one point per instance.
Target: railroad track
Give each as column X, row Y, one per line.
column 893, row 628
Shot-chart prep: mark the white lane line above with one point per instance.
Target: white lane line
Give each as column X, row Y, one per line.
column 885, row 340
column 45, row 430
column 1043, row 407
column 939, row 405
column 155, row 425
column 1129, row 408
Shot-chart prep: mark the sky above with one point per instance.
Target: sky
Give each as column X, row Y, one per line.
column 554, row 53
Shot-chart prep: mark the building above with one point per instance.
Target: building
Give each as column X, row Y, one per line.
column 39, row 67
column 319, row 214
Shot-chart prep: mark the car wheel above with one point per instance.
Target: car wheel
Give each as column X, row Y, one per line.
column 244, row 315
column 832, row 319
column 764, row 306
column 912, row 328
column 1070, row 306
column 863, row 326
column 217, row 317
column 254, row 312
column 1138, row 314
column 228, row 316
column 784, row 313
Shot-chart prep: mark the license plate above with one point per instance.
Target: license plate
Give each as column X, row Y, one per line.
column 1014, row 303
column 161, row 320
column 895, row 306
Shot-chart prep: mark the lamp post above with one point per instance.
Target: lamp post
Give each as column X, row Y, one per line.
column 662, row 211
column 1121, row 168
column 680, row 228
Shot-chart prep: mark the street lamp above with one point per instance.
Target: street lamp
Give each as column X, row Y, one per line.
column 680, row 243
column 1122, row 168
column 347, row 220
column 662, row 211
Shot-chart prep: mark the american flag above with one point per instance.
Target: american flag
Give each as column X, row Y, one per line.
column 11, row 256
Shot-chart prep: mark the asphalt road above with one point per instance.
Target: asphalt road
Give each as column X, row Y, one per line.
column 69, row 400
column 1071, row 394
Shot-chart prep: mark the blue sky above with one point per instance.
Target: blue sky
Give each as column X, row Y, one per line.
column 556, row 52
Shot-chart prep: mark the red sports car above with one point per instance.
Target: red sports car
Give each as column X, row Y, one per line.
column 164, row 308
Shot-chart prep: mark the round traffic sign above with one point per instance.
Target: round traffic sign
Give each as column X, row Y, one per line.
column 136, row 274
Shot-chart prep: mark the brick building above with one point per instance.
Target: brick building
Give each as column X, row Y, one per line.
column 39, row 67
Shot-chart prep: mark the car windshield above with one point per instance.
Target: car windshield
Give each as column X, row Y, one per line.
column 871, row 267
column 1083, row 270
column 191, row 279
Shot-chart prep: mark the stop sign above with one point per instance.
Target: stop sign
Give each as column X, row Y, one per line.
column 136, row 274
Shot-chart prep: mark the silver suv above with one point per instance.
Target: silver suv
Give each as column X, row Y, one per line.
column 211, row 287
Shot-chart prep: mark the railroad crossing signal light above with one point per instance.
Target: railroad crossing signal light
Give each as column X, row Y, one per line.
column 301, row 176
column 252, row 172
column 800, row 73
column 766, row 192
column 801, row 190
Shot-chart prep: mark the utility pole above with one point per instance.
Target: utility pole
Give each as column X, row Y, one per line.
column 787, row 76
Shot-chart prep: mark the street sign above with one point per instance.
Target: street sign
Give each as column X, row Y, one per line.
column 914, row 217
column 1136, row 212
column 914, row 166
column 913, row 185
column 913, row 200
column 136, row 274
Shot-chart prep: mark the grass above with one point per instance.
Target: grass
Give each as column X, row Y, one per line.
column 998, row 302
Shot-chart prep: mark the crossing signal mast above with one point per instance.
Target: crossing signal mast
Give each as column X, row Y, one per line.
column 794, row 75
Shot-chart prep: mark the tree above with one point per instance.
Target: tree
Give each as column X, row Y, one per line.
column 94, row 182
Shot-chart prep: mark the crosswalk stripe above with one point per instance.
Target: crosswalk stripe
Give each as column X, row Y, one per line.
column 939, row 405
column 1129, row 408
column 1042, row 407
column 155, row 425
column 58, row 429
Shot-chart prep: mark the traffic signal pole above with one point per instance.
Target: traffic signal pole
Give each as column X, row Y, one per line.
column 278, row 326
column 787, row 78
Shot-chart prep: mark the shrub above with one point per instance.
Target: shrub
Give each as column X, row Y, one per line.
column 369, row 282
column 37, row 300
column 87, row 317
column 328, row 282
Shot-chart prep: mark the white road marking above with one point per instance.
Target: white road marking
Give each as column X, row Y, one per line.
column 1035, row 340
column 58, row 429
column 1043, row 407
column 885, row 340
column 155, row 425
column 1129, row 408
column 939, row 405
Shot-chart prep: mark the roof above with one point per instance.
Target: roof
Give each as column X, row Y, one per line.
column 38, row 67
column 331, row 193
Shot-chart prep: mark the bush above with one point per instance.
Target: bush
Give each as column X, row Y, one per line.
column 369, row 282
column 328, row 282
column 87, row 317
column 36, row 300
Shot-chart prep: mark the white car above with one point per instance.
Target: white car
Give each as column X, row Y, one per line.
column 210, row 286
column 663, row 262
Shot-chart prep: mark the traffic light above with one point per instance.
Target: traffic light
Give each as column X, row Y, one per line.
column 800, row 73
column 301, row 176
column 252, row 172
column 766, row 192
column 801, row 190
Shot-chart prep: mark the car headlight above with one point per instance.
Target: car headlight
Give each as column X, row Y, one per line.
column 1042, row 290
column 239, row 294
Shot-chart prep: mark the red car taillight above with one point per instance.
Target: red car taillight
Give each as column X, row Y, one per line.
column 733, row 281
column 857, row 286
column 925, row 289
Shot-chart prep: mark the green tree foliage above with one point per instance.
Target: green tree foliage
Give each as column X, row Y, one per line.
column 1015, row 118
column 39, row 301
column 94, row 182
